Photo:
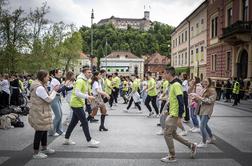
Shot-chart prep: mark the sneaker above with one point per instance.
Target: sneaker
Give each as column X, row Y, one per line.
column 202, row 145
column 93, row 143
column 126, row 110
column 48, row 151
column 186, row 121
column 68, row 142
column 157, row 116
column 168, row 159
column 161, row 132
column 196, row 130
column 112, row 108
column 191, row 129
column 193, row 150
column 183, row 133
column 55, row 135
column 39, row 156
column 150, row 114
column 211, row 140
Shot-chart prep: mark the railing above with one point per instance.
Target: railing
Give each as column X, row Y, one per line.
column 238, row 27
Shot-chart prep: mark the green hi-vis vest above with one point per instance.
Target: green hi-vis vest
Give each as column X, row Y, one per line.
column 236, row 88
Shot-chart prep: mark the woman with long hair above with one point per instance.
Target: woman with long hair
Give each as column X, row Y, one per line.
column 98, row 102
column 69, row 83
column 40, row 116
column 56, row 103
column 194, row 87
column 206, row 103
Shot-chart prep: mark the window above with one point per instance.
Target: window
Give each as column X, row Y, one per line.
column 228, row 61
column 182, row 59
column 156, row 61
column 229, row 16
column 182, row 37
column 245, row 10
column 214, row 27
column 185, row 35
column 108, row 70
column 191, row 28
column 197, row 50
column 127, row 70
column 191, row 52
column 202, row 48
column 117, row 70
column 179, row 60
column 122, row 70
column 197, row 25
column 185, row 57
column 179, row 40
column 214, row 62
column 117, row 56
column 202, row 21
column 176, row 42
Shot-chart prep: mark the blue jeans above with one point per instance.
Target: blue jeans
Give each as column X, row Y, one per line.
column 204, row 128
column 57, row 121
column 78, row 115
column 194, row 117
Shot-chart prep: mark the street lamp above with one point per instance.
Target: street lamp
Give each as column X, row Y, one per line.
column 92, row 35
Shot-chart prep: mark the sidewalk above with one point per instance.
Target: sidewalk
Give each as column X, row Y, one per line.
column 244, row 105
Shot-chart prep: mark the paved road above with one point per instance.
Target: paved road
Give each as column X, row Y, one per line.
column 132, row 140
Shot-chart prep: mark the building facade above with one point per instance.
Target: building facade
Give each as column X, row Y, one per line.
column 156, row 64
column 123, row 23
column 84, row 60
column 189, row 40
column 237, row 33
column 124, row 63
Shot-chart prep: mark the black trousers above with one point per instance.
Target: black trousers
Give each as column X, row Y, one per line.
column 236, row 99
column 111, row 100
column 115, row 94
column 162, row 106
column 130, row 103
column 4, row 99
column 153, row 100
column 40, row 136
column 78, row 115
column 187, row 116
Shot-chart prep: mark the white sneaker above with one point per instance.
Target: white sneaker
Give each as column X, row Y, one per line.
column 196, row 130
column 183, row 133
column 48, row 151
column 112, row 108
column 161, row 132
column 193, row 150
column 191, row 129
column 39, row 156
column 211, row 140
column 68, row 142
column 125, row 110
column 168, row 159
column 157, row 116
column 150, row 114
column 93, row 143
column 55, row 134
column 202, row 145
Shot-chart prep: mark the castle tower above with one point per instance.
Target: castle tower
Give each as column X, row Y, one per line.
column 147, row 13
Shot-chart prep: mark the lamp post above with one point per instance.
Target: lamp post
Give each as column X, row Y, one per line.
column 92, row 35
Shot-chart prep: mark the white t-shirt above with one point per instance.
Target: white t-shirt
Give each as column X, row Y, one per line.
column 54, row 83
column 96, row 85
column 185, row 85
column 41, row 92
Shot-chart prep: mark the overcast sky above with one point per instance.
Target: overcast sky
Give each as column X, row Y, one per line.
column 171, row 12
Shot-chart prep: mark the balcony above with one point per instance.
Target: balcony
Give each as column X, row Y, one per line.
column 237, row 33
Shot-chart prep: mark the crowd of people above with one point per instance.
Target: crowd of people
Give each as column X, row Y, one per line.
column 174, row 99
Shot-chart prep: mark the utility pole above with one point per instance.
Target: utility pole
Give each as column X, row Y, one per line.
column 92, row 35
column 106, row 54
